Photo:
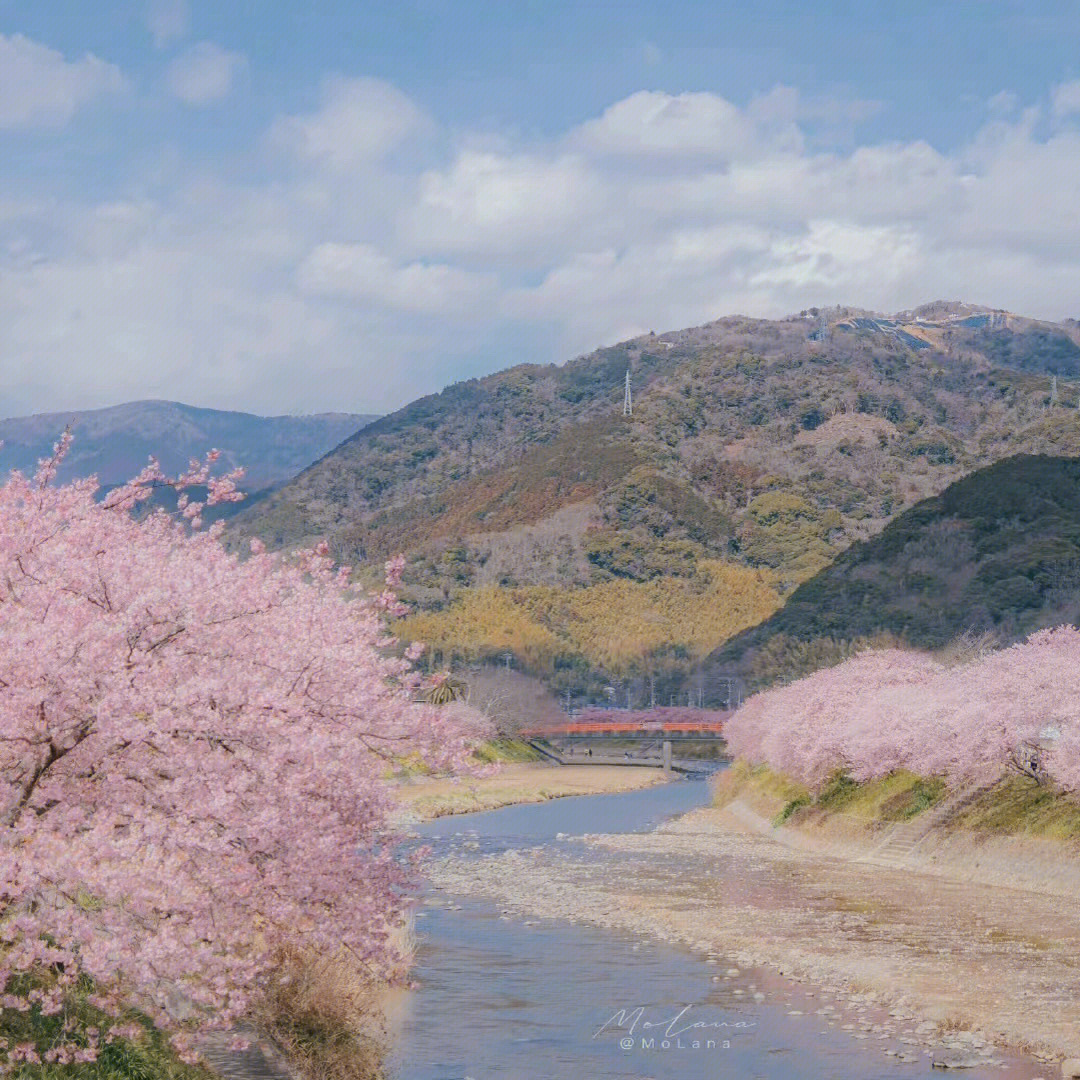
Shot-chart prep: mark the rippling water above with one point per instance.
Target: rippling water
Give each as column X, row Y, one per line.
column 500, row 997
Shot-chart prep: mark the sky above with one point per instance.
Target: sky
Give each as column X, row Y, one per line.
column 284, row 207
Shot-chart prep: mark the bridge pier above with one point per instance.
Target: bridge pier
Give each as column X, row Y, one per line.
column 667, row 755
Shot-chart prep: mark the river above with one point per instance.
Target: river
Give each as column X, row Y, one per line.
column 503, row 998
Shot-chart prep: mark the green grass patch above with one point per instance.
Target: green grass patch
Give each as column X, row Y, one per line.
column 838, row 793
column 900, row 796
column 149, row 1057
column 759, row 782
column 790, row 808
column 506, row 750
column 1019, row 806
column 1016, row 805
column 909, row 803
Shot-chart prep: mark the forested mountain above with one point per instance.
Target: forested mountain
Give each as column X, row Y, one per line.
column 115, row 442
column 996, row 553
column 771, row 445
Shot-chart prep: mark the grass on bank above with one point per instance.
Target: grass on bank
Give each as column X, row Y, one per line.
column 1016, row 805
column 501, row 750
column 149, row 1057
column 324, row 1014
column 506, row 750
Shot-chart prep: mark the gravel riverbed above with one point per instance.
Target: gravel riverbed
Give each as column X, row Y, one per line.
column 921, row 962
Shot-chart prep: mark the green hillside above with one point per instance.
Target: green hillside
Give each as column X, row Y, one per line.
column 997, row 552
column 773, row 442
column 771, row 445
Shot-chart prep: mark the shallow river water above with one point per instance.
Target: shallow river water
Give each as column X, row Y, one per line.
column 502, row 997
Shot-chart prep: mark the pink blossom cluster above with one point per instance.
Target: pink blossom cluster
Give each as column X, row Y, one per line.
column 658, row 714
column 894, row 709
column 193, row 748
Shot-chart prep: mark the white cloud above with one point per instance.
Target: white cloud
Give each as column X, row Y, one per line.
column 39, row 88
column 368, row 276
column 167, row 20
column 655, row 125
column 360, row 272
column 837, row 256
column 492, row 202
column 1066, row 98
column 358, row 121
column 204, row 73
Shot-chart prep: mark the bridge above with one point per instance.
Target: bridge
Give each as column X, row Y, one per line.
column 652, row 742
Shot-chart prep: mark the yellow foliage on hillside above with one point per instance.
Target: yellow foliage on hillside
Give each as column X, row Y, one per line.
column 614, row 625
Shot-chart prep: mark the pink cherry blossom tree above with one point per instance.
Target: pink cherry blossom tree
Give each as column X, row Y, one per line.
column 1018, row 709
column 193, row 748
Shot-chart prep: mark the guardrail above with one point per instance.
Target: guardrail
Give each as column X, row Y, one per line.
column 617, row 728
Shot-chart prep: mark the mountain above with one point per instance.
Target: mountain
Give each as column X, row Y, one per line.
column 115, row 442
column 770, row 444
column 997, row 553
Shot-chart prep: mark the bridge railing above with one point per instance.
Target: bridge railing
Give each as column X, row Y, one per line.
column 615, row 728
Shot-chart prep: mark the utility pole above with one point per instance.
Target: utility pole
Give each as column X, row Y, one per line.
column 628, row 397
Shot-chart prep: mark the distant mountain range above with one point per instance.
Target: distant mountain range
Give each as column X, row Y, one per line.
column 115, row 442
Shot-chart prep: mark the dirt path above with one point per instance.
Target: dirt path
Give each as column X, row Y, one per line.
column 1001, row 962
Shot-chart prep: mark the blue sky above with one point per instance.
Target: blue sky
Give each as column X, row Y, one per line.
column 285, row 206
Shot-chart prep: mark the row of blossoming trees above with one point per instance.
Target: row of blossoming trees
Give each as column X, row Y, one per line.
column 892, row 709
column 192, row 754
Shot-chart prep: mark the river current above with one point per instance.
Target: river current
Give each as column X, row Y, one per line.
column 499, row 997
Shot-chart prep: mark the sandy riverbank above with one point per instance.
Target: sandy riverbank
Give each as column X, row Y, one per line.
column 961, row 965
column 425, row 798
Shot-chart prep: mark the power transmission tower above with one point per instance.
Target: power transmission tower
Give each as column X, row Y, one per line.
column 628, row 398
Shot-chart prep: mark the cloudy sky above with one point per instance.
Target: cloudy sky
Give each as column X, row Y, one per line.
column 299, row 205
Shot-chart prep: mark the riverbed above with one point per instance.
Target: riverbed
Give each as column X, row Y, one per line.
column 503, row 992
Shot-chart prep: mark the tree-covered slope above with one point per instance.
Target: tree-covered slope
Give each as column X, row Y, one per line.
column 768, row 446
column 998, row 552
column 618, row 629
column 773, row 443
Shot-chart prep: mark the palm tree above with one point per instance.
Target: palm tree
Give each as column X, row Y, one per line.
column 444, row 689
